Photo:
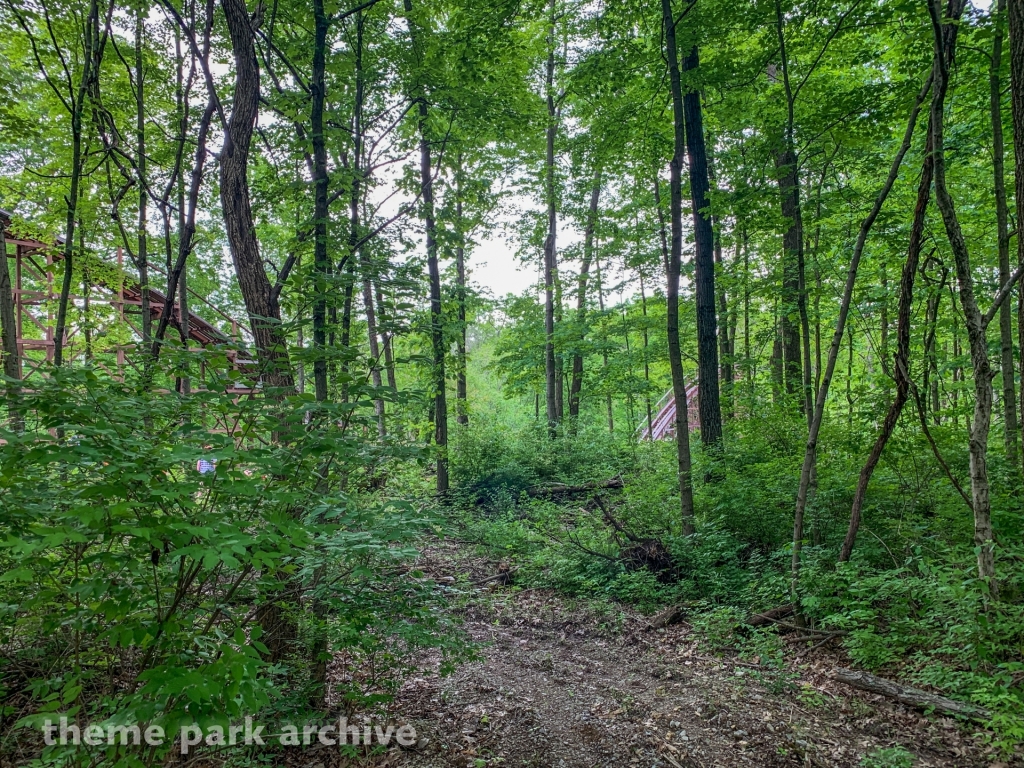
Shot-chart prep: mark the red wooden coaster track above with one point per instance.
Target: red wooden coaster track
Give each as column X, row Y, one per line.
column 663, row 424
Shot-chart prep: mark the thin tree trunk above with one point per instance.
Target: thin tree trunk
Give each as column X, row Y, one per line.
column 604, row 352
column 386, row 340
column 300, row 368
column 183, row 314
column 375, row 351
column 355, row 200
column 74, row 194
column 550, row 257
column 142, row 256
column 704, row 265
column 576, row 383
column 787, row 167
column 321, row 180
column 849, row 377
column 461, row 395
column 86, row 303
column 883, row 346
column 975, row 321
column 901, row 366
column 434, row 273
column 726, row 340
column 9, row 337
column 930, row 373
column 685, row 466
column 1002, row 237
column 748, row 363
column 647, row 362
column 184, row 320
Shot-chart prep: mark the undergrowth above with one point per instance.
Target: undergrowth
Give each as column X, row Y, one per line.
column 909, row 603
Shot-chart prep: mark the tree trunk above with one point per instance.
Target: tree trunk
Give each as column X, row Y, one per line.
column 263, row 309
column 386, row 339
column 647, row 362
column 1016, row 23
column 793, row 304
column 186, row 232
column 461, row 395
column 321, row 262
column 9, row 337
column 375, row 351
column 604, row 351
column 901, row 367
column 704, row 266
column 576, row 383
column 8, row 319
column 749, row 369
column 1002, row 237
column 931, row 368
column 550, row 257
column 911, row 697
column 436, row 318
column 976, row 323
column 685, row 468
column 184, row 324
column 74, row 193
column 271, row 345
column 814, row 427
column 142, row 257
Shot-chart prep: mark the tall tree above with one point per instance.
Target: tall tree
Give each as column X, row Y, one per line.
column 945, row 28
column 901, row 368
column 142, row 252
column 1007, row 364
column 260, row 300
column 788, row 175
column 321, row 212
column 440, row 407
column 683, row 460
column 704, row 264
column 576, row 380
column 551, row 377
column 1015, row 13
column 461, row 395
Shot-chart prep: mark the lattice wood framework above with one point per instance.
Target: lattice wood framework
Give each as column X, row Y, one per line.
column 31, row 263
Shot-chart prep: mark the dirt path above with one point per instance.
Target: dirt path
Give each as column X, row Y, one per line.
column 560, row 685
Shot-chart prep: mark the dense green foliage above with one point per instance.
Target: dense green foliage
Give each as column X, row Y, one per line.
column 361, row 389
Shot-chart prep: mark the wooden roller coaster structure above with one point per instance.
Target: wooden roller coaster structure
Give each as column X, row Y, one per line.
column 31, row 265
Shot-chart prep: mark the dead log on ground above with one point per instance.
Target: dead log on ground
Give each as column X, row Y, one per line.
column 912, row 697
column 559, row 489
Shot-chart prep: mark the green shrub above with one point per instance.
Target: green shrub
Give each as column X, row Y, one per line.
column 137, row 590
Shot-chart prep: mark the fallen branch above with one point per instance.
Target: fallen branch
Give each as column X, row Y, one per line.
column 503, row 577
column 734, row 662
column 817, row 645
column 771, row 616
column 904, row 694
column 610, row 519
column 554, row 489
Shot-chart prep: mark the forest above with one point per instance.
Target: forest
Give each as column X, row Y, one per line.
column 536, row 382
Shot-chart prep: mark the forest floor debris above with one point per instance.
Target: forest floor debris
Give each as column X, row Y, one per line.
column 563, row 684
